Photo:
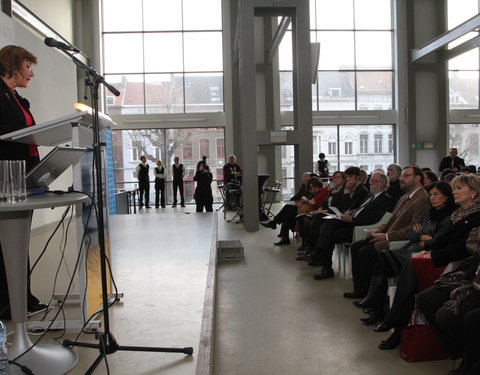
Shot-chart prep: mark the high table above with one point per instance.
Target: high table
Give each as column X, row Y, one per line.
column 15, row 220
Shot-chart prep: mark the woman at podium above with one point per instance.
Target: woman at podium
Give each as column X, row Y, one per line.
column 15, row 72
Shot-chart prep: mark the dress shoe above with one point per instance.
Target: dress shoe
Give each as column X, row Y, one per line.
column 383, row 327
column 392, row 342
column 326, row 273
column 363, row 304
column 174, row 205
column 372, row 318
column 351, row 295
column 269, row 224
column 148, row 207
column 164, row 206
column 182, row 205
column 283, row 241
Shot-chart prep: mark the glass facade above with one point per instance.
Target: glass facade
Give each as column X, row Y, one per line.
column 163, row 56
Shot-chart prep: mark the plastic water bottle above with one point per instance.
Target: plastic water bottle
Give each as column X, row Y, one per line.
column 4, row 368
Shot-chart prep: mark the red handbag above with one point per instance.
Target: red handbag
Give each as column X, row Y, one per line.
column 419, row 343
column 426, row 272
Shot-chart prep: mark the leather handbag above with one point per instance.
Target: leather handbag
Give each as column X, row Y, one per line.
column 418, row 343
column 426, row 272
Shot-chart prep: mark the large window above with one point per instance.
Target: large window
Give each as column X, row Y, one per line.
column 465, row 137
column 355, row 70
column 463, row 69
column 163, row 56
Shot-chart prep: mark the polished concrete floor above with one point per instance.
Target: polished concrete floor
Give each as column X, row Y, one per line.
column 271, row 316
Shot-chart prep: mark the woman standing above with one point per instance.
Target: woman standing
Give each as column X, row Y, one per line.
column 159, row 184
column 15, row 72
column 203, row 192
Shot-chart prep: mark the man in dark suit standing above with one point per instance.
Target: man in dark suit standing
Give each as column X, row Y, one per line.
column 452, row 161
column 410, row 208
column 178, row 171
column 143, row 181
column 335, row 231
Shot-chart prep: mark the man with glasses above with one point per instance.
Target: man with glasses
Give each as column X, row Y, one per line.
column 335, row 231
column 410, row 208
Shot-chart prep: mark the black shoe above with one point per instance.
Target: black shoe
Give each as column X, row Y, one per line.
column 182, row 205
column 156, row 206
column 326, row 273
column 383, row 327
column 373, row 318
column 363, row 304
column 140, row 206
column 352, row 295
column 164, row 206
column 269, row 224
column 392, row 342
column 174, row 205
column 283, row 241
column 148, row 207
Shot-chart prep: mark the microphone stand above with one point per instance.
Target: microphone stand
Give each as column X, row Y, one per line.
column 107, row 343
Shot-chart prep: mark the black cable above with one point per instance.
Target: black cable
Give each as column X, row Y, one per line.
column 24, row 369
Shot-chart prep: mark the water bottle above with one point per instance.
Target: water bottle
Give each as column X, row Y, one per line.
column 4, row 368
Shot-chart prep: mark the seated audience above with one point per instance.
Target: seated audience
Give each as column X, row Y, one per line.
column 335, row 231
column 422, row 236
column 287, row 216
column 354, row 193
column 447, row 302
column 410, row 208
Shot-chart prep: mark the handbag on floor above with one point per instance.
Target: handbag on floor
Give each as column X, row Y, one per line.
column 419, row 343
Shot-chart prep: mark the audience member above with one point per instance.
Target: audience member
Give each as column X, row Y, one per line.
column 287, row 216
column 141, row 172
column 232, row 172
column 178, row 172
column 334, row 231
column 452, row 161
column 159, row 184
column 393, row 174
column 322, row 165
column 446, row 303
column 203, row 192
column 303, row 190
column 410, row 208
column 422, row 236
column 429, row 177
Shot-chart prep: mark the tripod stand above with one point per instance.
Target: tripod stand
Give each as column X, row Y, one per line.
column 107, row 343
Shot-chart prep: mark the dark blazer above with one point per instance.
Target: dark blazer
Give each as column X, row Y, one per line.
column 12, row 119
column 451, row 246
column 355, row 200
column 395, row 191
column 405, row 212
column 374, row 210
column 446, row 162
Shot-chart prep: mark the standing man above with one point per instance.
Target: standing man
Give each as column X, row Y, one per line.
column 143, row 181
column 178, row 171
column 452, row 161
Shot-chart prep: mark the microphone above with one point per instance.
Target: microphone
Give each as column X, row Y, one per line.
column 60, row 45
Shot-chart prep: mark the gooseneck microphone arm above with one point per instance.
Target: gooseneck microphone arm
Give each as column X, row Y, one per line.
column 60, row 45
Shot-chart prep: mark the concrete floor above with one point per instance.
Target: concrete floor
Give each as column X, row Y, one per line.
column 274, row 318
column 271, row 316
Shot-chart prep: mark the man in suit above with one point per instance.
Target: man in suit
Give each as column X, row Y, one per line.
column 393, row 174
column 178, row 171
column 335, row 231
column 410, row 208
column 143, row 181
column 452, row 161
